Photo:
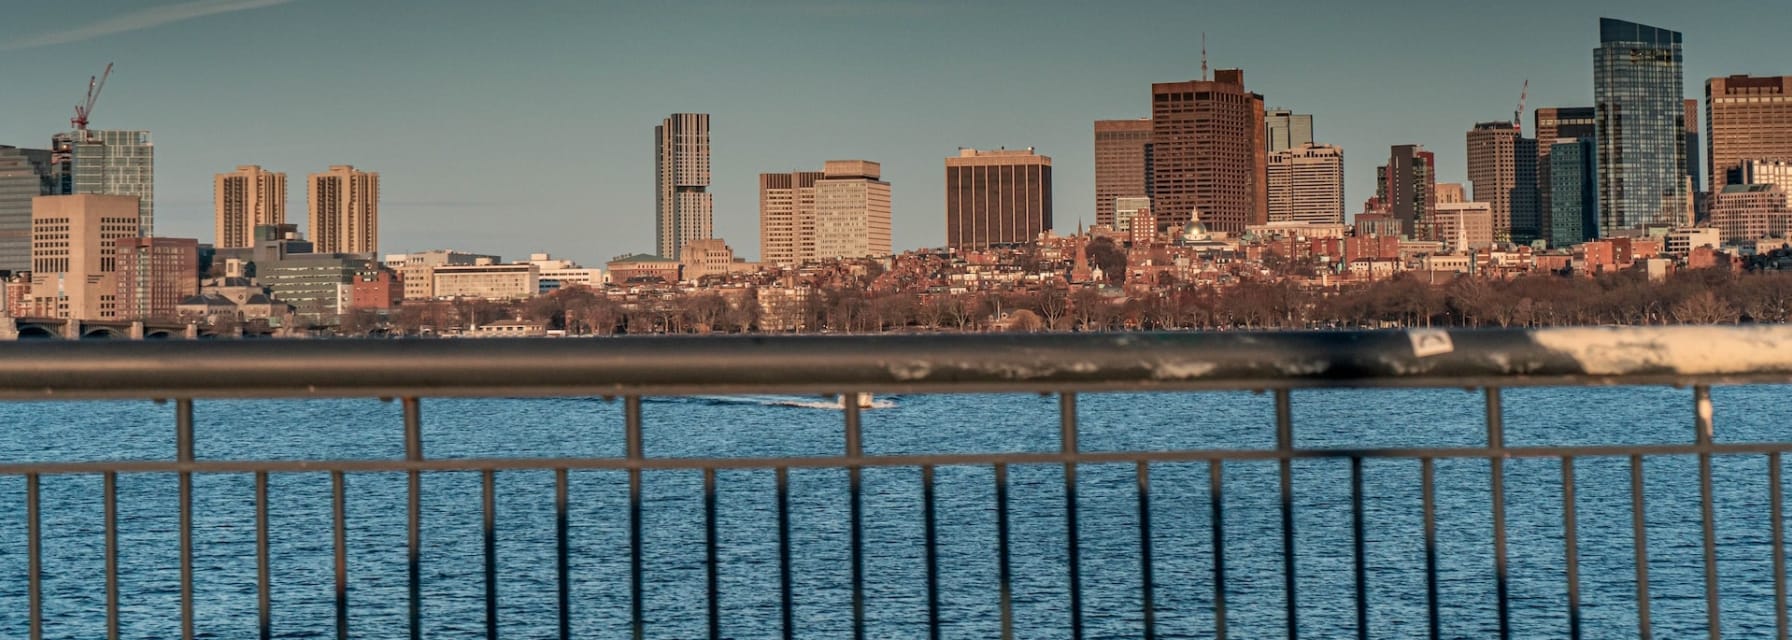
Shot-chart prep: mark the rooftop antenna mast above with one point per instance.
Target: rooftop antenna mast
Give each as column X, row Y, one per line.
column 94, row 86
column 1203, row 56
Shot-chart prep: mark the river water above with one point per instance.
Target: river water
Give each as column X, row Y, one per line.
column 303, row 579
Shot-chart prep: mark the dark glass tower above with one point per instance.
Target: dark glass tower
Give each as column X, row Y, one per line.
column 1641, row 129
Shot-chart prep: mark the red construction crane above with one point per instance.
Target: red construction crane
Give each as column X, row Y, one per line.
column 94, row 86
column 1518, row 116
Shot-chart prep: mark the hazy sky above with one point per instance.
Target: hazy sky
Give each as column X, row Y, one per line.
column 512, row 126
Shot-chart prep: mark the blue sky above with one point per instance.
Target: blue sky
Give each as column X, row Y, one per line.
column 526, row 125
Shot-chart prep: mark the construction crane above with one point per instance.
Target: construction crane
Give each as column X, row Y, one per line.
column 94, row 86
column 1518, row 116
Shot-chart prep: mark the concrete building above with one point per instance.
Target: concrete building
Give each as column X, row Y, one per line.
column 1746, row 118
column 1465, row 226
column 787, row 217
column 1640, row 128
column 1122, row 164
column 1449, row 192
column 1408, row 188
column 312, row 282
column 704, row 258
column 1284, row 129
column 685, row 209
column 345, row 211
column 642, row 267
column 1306, row 184
column 1208, row 153
column 417, row 270
column 74, row 260
column 1502, row 168
column 111, row 163
column 1130, row 213
column 1574, row 192
column 1774, row 172
column 243, row 200
column 842, row 211
column 488, row 281
column 154, row 275
column 1680, row 242
column 1744, row 213
column 555, row 274
column 997, row 197
column 24, row 175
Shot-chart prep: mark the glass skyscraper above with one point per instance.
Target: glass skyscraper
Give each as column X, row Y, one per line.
column 1573, row 202
column 1640, row 127
column 24, row 174
column 111, row 163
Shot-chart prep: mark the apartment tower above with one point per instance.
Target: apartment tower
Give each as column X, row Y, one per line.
column 1306, row 184
column 1208, row 153
column 111, row 163
column 1122, row 164
column 997, row 197
column 243, row 200
column 345, row 211
column 1640, row 128
column 1502, row 169
column 74, row 264
column 154, row 275
column 682, row 200
column 1746, row 118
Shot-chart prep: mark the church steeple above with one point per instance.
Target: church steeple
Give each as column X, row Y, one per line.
column 1080, row 271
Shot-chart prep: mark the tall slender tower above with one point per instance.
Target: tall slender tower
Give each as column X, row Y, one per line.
column 682, row 199
column 345, row 211
column 1208, row 153
column 1639, row 113
column 243, row 200
column 1408, row 188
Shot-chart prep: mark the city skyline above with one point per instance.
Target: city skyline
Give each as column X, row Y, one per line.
column 593, row 205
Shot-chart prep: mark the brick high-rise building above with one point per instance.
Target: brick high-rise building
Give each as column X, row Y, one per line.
column 1641, row 133
column 345, row 211
column 1502, row 168
column 1122, row 164
column 1208, row 153
column 1746, row 118
column 243, row 200
column 1306, row 184
column 154, row 275
column 997, row 197
column 842, row 211
column 685, row 209
column 74, row 261
column 1408, row 189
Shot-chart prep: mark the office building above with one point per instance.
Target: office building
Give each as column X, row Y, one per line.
column 554, row 273
column 1640, row 128
column 787, row 217
column 417, row 270
column 1306, row 184
column 1502, row 168
column 1122, row 164
column 488, row 281
column 1464, row 226
column 74, row 261
column 1408, row 189
column 997, row 197
column 313, row 283
column 1774, row 172
column 1286, row 129
column 345, row 211
column 244, row 199
column 842, row 211
column 1746, row 118
column 1574, row 192
column 110, row 163
column 1693, row 144
column 1448, row 192
column 24, row 175
column 1208, row 153
column 682, row 200
column 1747, row 212
column 1553, row 124
column 1132, row 212
column 154, row 275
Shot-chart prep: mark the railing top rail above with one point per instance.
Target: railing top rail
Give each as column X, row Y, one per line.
column 894, row 364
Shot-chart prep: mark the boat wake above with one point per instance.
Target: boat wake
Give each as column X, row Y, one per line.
column 795, row 402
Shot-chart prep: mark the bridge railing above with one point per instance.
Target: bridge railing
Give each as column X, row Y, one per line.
column 631, row 369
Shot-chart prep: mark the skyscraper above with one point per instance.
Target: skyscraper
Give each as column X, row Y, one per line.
column 1287, row 130
column 1208, row 153
column 1746, row 118
column 24, row 175
column 787, row 217
column 109, row 163
column 243, row 200
column 1553, row 124
column 997, row 197
column 1574, row 191
column 345, row 211
column 1122, row 164
column 1693, row 144
column 1502, row 168
column 1408, row 188
column 1306, row 184
column 1639, row 127
column 682, row 198
column 842, row 211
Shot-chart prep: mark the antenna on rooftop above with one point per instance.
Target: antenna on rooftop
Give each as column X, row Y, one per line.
column 1203, row 56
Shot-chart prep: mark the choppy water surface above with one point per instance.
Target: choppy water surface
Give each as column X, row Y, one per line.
column 303, row 579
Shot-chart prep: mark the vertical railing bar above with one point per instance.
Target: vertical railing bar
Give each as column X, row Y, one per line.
column 631, row 410
column 1147, row 588
column 1571, row 548
column 489, row 504
column 1004, row 572
column 786, row 606
column 1640, row 533
column 413, row 452
column 562, row 556
column 930, row 524
column 711, row 558
column 1067, row 439
column 849, row 403
column 1428, row 496
column 34, row 560
column 109, row 484
column 1496, row 443
column 1359, row 547
column 1216, row 498
column 339, row 515
column 183, row 452
column 1702, row 430
column 264, row 597
column 1778, row 529
column 1285, row 446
